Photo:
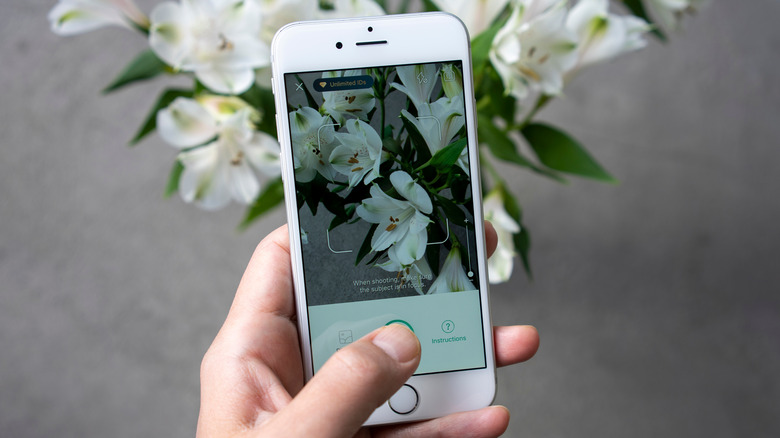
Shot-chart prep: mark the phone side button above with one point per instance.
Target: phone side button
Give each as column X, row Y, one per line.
column 404, row 401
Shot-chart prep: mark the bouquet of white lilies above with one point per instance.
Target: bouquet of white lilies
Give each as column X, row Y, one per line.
column 524, row 52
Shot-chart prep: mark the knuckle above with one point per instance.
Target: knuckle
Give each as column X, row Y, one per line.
column 211, row 363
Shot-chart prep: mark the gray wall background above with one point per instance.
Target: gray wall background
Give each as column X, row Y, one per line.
column 657, row 299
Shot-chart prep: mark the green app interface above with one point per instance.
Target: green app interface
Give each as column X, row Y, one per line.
column 385, row 207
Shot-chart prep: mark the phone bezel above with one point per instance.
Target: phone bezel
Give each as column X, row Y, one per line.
column 445, row 392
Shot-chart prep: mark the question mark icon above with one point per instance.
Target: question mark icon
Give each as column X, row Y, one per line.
column 447, row 326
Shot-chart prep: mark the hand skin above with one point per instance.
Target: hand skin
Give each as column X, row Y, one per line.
column 252, row 375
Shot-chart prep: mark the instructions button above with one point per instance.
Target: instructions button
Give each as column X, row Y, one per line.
column 343, row 83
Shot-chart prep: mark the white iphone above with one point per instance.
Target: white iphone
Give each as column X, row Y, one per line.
column 380, row 163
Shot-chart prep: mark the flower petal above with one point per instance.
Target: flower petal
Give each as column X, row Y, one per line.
column 185, row 123
column 412, row 191
column 70, row 17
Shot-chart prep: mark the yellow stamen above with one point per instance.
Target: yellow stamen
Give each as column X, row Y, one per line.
column 530, row 73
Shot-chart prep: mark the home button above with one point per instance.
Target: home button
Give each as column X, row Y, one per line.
column 404, row 401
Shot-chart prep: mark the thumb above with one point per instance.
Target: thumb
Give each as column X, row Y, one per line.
column 352, row 383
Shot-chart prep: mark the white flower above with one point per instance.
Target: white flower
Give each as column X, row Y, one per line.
column 671, row 12
column 414, row 273
column 477, row 15
column 69, row 17
column 402, row 223
column 360, row 153
column 277, row 13
column 355, row 102
column 313, row 141
column 217, row 40
column 223, row 168
column 533, row 50
column 501, row 262
column 439, row 123
column 352, row 8
column 418, row 82
column 603, row 35
column 452, row 277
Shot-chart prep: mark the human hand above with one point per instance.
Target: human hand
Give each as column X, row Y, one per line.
column 252, row 375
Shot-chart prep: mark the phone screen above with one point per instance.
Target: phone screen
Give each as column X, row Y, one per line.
column 385, row 208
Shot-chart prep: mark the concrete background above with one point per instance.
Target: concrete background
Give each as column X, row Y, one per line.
column 657, row 299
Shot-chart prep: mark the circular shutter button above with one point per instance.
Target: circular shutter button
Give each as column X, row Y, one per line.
column 404, row 401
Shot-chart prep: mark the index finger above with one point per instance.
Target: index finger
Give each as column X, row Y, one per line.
column 266, row 287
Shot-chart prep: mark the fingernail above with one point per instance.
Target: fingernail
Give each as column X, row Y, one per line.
column 398, row 342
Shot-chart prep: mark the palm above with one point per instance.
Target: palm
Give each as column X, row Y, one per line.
column 253, row 369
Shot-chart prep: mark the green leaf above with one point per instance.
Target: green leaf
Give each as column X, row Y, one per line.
column 333, row 203
column 338, row 220
column 263, row 100
column 638, row 8
column 503, row 148
column 391, row 145
column 428, row 5
column 558, row 151
column 145, row 66
column 150, row 123
column 452, row 212
column 481, row 44
column 499, row 143
column 522, row 240
column 445, row 158
column 365, row 248
column 501, row 104
column 173, row 179
column 270, row 197
column 420, row 145
column 523, row 247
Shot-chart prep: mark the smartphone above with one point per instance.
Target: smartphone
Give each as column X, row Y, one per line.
column 377, row 125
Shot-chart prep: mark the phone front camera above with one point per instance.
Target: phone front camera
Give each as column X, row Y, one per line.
column 339, row 45
column 370, row 29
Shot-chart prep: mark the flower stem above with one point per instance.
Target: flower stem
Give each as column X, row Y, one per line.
column 543, row 100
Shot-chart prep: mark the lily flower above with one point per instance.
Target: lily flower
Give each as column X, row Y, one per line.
column 313, row 141
column 223, row 168
column 603, row 35
column 70, row 17
column 417, row 82
column 477, row 15
column 501, row 262
column 277, row 13
column 402, row 223
column 355, row 102
column 218, row 41
column 439, row 123
column 360, row 153
column 452, row 277
column 533, row 50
